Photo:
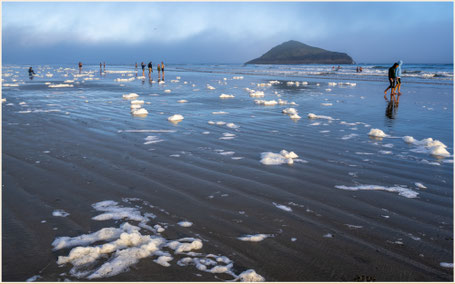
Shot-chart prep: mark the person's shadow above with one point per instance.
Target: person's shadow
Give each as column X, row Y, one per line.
column 391, row 109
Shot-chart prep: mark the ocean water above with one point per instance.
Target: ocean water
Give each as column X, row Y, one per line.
column 93, row 192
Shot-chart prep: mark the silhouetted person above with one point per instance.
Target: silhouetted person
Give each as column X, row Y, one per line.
column 143, row 67
column 392, row 80
column 150, row 68
column 31, row 73
column 80, row 67
column 162, row 70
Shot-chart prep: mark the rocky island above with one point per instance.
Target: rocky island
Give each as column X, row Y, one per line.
column 294, row 52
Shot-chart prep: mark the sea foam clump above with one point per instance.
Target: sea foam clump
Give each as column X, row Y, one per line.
column 428, row 146
column 175, row 118
column 266, row 103
column 140, row 112
column 374, row 132
column 125, row 80
column 284, row 157
column 256, row 94
column 292, row 112
column 224, row 96
column 60, row 86
column 403, row 191
column 289, row 111
column 130, row 96
column 126, row 245
column 315, row 116
column 254, row 238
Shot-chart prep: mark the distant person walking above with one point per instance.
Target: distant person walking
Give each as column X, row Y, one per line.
column 135, row 66
column 101, row 65
column 398, row 78
column 31, row 73
column 104, row 65
column 162, row 70
column 150, row 68
column 143, row 67
column 159, row 70
column 392, row 82
column 80, row 67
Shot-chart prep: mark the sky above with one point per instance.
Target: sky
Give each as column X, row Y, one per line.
column 227, row 32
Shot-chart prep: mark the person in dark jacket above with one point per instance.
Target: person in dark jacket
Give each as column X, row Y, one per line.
column 392, row 79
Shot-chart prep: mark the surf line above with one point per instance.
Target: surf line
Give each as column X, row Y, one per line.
column 147, row 131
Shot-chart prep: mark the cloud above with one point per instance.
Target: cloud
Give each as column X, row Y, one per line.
column 224, row 30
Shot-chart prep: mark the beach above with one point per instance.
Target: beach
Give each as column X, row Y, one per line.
column 199, row 187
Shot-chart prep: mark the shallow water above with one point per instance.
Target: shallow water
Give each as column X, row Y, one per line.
column 67, row 148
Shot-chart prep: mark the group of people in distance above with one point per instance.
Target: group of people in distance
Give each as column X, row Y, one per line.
column 160, row 68
column 395, row 82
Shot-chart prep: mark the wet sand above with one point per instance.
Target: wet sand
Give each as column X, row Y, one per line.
column 83, row 154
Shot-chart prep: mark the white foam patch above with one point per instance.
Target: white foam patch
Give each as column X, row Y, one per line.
column 256, row 94
column 254, row 238
column 328, row 235
column 210, row 87
column 225, row 96
column 428, row 146
column 237, row 77
column 164, row 260
column 354, row 226
column 446, row 264
column 219, row 112
column 167, row 91
column 295, row 116
column 33, row 278
column 125, row 246
column 375, row 132
column 228, row 136
column 130, row 96
column 135, row 107
column 60, row 86
column 137, row 102
column 185, row 224
column 232, row 125
column 266, row 103
column 119, row 72
column 226, row 153
column 282, row 207
column 289, row 111
column 326, row 104
column 250, row 276
column 182, row 101
column 284, row 157
column 175, row 118
column 402, row 191
column 420, row 185
column 315, row 116
column 125, row 79
column 10, row 85
column 152, row 140
column 60, row 213
column 140, row 112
